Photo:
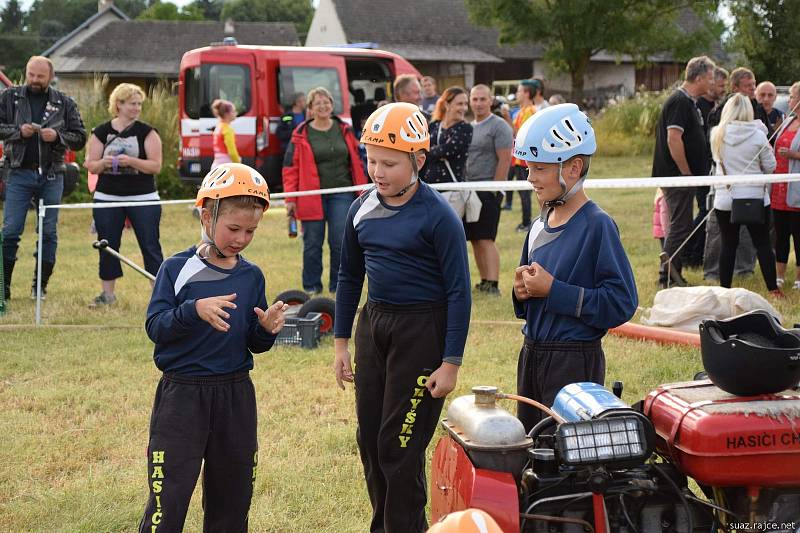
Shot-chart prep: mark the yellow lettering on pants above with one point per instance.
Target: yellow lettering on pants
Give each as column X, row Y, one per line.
column 158, row 457
column 411, row 414
column 158, row 473
column 156, row 518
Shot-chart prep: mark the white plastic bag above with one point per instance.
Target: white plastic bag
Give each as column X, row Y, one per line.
column 684, row 308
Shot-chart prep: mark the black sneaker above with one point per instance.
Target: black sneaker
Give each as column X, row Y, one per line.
column 33, row 293
column 481, row 286
column 523, row 228
column 491, row 290
column 677, row 279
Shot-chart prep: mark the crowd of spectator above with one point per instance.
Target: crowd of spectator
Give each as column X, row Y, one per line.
column 471, row 136
column 702, row 130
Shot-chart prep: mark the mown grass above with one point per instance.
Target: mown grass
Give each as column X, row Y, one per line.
column 75, row 401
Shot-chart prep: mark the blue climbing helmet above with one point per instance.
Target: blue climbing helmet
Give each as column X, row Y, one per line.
column 554, row 135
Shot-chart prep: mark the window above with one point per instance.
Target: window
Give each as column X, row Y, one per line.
column 206, row 83
column 293, row 80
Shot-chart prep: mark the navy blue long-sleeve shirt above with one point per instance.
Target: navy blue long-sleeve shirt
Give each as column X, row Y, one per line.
column 593, row 287
column 411, row 254
column 186, row 344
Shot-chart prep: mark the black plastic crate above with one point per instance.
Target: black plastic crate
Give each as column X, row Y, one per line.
column 303, row 332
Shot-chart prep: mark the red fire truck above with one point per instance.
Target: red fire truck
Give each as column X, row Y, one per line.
column 262, row 81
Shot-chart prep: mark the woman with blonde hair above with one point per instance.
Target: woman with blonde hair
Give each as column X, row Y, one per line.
column 126, row 154
column 224, row 138
column 739, row 145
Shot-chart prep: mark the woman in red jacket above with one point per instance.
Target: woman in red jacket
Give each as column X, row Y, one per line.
column 323, row 154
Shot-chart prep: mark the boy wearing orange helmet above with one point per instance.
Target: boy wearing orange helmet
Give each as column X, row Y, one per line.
column 467, row 521
column 411, row 332
column 207, row 316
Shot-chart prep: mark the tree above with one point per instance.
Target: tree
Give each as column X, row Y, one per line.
column 12, row 17
column 572, row 31
column 211, row 9
column 68, row 13
column 169, row 11
column 766, row 35
column 299, row 12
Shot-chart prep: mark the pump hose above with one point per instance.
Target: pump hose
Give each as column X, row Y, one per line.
column 534, row 403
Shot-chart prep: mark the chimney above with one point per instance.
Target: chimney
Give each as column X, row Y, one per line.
column 229, row 29
column 102, row 5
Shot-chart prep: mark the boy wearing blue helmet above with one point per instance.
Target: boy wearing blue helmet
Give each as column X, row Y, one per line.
column 574, row 281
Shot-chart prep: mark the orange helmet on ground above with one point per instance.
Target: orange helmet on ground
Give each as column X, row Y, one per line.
column 468, row 521
column 399, row 126
column 233, row 179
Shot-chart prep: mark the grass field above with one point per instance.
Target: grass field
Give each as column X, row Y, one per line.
column 75, row 401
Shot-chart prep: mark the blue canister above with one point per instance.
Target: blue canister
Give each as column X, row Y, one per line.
column 585, row 401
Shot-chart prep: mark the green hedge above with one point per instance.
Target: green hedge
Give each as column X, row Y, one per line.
column 628, row 128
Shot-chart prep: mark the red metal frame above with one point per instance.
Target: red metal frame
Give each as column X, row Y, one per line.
column 457, row 485
column 727, row 449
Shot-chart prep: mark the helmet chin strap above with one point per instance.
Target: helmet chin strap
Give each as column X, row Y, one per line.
column 566, row 194
column 208, row 243
column 414, row 176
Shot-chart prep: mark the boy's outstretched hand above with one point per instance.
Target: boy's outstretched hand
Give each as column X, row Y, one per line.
column 537, row 280
column 273, row 318
column 212, row 310
column 443, row 380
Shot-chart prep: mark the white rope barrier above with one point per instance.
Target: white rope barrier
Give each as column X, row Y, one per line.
column 600, row 183
column 606, row 183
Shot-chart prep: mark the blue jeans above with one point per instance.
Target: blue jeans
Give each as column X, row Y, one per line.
column 22, row 186
column 145, row 220
column 334, row 209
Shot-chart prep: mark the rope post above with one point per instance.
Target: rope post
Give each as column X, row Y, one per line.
column 42, row 211
column 2, row 278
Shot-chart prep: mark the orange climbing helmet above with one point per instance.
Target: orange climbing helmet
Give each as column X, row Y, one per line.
column 399, row 126
column 468, row 521
column 233, row 179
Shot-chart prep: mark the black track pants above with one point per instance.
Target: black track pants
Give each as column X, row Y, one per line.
column 397, row 348
column 209, row 422
column 545, row 367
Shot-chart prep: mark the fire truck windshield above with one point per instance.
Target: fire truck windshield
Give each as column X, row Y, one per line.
column 295, row 80
column 206, row 83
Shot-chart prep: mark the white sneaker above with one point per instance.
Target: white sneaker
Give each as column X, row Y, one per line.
column 779, row 281
column 796, row 286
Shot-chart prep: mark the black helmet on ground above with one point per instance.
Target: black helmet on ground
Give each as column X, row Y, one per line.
column 750, row 354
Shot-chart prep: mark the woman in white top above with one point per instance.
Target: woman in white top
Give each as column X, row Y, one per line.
column 739, row 146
